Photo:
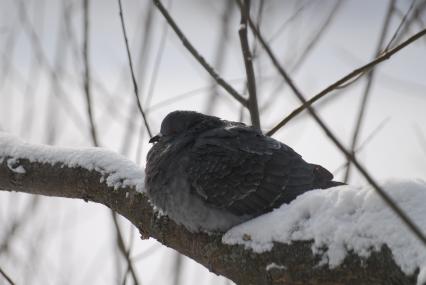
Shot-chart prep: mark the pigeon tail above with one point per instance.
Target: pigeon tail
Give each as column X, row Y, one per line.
column 323, row 178
column 332, row 183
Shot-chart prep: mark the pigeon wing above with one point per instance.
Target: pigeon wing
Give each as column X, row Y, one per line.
column 241, row 170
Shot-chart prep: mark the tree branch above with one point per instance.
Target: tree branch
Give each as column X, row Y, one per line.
column 132, row 73
column 366, row 92
column 248, row 63
column 96, row 175
column 198, row 56
column 87, row 80
column 5, row 276
column 353, row 74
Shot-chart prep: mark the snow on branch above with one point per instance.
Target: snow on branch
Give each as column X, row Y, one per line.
column 336, row 236
column 115, row 169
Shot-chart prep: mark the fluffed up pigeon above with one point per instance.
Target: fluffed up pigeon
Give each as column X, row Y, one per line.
column 210, row 174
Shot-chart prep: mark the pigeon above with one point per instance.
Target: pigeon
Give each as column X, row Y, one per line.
column 209, row 174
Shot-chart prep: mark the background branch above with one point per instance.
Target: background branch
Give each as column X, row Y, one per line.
column 248, row 63
column 5, row 276
column 198, row 56
column 353, row 74
column 132, row 73
column 366, row 92
column 87, row 72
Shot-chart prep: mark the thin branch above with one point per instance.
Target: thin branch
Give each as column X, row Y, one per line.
column 153, row 79
column 147, row 252
column 401, row 24
column 248, row 63
column 356, row 72
column 315, row 39
column 67, row 105
column 178, row 268
column 129, row 57
column 7, row 57
column 95, row 141
column 388, row 200
column 416, row 17
column 18, row 224
column 421, row 138
column 198, row 56
column 317, row 36
column 87, row 84
column 362, row 145
column 8, row 279
column 34, row 76
column 282, row 27
column 370, row 79
column 123, row 250
column 220, row 54
column 157, row 63
column 51, row 120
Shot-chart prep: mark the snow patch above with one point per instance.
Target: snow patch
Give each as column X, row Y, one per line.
column 342, row 219
column 117, row 171
column 273, row 265
column 13, row 165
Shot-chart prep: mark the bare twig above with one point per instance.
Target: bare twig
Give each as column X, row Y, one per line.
column 362, row 145
column 8, row 279
column 34, row 77
column 95, row 141
column 132, row 73
column 143, row 60
column 401, row 24
column 370, row 79
column 220, row 54
column 315, row 39
column 86, row 6
column 198, row 56
column 192, row 92
column 6, row 58
column 148, row 11
column 318, row 35
column 67, row 105
column 157, row 63
column 415, row 17
column 123, row 250
column 18, row 224
column 420, row 137
column 388, row 200
column 356, row 72
column 248, row 63
column 154, row 76
column 287, row 21
column 51, row 120
column 178, row 268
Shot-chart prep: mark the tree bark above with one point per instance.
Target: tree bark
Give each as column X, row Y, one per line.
column 284, row 264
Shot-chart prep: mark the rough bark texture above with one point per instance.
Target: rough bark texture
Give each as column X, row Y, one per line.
column 296, row 263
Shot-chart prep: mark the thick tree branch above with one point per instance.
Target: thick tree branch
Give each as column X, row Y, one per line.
column 38, row 173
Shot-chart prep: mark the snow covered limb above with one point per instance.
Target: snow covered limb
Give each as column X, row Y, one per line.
column 242, row 255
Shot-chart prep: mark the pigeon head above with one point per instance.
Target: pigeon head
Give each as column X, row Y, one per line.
column 181, row 123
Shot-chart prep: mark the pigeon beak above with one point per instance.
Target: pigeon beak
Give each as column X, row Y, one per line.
column 155, row 138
